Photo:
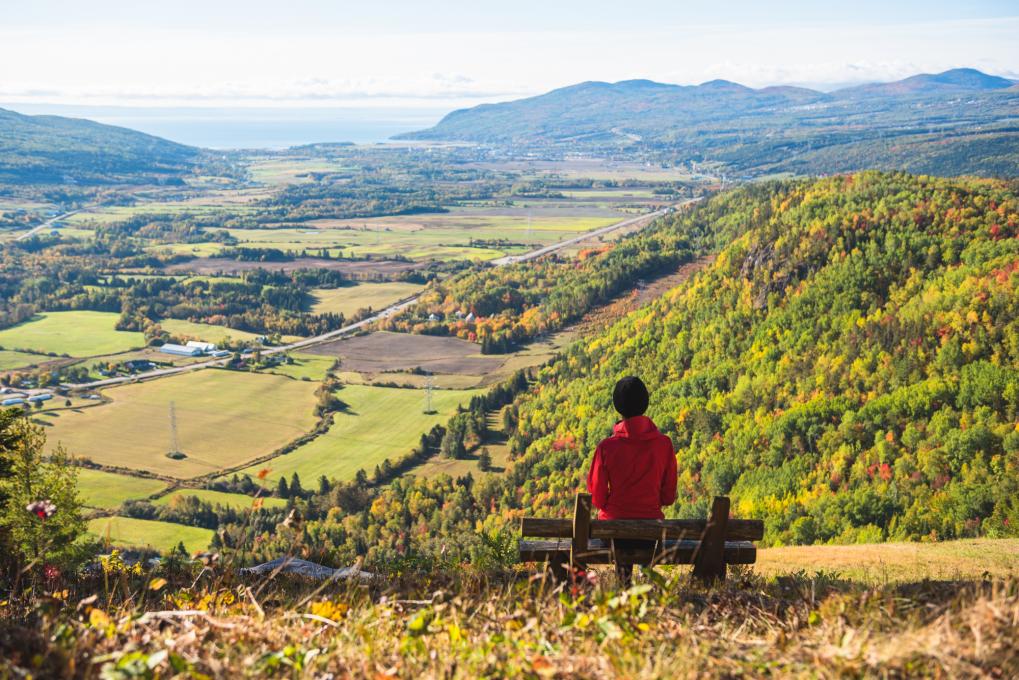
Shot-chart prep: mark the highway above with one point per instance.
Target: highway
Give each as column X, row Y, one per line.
column 48, row 223
column 351, row 328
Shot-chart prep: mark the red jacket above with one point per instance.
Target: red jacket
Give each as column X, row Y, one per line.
column 634, row 472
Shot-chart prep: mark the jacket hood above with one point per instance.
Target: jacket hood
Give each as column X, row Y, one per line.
column 637, row 427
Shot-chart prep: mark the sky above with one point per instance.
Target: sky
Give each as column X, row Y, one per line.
column 402, row 53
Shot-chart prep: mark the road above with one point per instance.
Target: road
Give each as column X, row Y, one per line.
column 48, row 223
column 351, row 328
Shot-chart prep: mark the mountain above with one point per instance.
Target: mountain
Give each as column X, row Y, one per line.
column 955, row 81
column 54, row 149
column 920, row 124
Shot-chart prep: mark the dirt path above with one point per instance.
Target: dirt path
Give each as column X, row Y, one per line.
column 641, row 296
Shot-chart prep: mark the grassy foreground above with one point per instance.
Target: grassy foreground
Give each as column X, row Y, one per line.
column 466, row 625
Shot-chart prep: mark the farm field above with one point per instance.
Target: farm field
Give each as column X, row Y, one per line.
column 384, row 351
column 128, row 532
column 77, row 334
column 382, row 422
column 304, row 367
column 224, row 418
column 10, row 359
column 238, row 501
column 359, row 269
column 349, row 299
column 880, row 563
column 461, row 233
column 204, row 331
column 101, row 489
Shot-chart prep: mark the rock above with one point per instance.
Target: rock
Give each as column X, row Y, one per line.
column 292, row 565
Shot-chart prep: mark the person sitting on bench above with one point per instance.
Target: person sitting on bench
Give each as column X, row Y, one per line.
column 633, row 474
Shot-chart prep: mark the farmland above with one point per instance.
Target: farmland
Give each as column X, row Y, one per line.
column 76, row 334
column 236, row 501
column 385, row 352
column 348, row 300
column 380, row 423
column 100, row 489
column 204, row 332
column 10, row 359
column 145, row 533
column 224, row 418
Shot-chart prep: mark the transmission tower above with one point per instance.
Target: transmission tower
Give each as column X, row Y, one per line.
column 429, row 386
column 174, row 443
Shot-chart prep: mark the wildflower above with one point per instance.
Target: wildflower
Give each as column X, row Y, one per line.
column 50, row 573
column 43, row 509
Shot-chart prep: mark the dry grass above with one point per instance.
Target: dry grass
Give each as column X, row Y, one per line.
column 887, row 562
column 469, row 626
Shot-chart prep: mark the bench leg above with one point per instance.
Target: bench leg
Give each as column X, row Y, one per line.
column 559, row 569
column 709, row 562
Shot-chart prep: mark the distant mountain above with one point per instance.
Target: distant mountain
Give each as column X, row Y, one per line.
column 54, row 149
column 956, row 81
column 920, row 123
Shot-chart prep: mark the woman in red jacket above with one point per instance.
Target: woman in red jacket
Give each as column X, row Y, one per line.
column 633, row 475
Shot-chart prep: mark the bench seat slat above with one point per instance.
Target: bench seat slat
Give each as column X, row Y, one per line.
column 651, row 529
column 599, row 552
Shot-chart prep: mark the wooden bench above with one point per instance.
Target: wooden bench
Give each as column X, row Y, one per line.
column 708, row 544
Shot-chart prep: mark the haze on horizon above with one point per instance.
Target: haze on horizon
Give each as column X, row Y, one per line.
column 318, row 54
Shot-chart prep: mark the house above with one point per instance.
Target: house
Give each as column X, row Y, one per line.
column 180, row 350
column 203, row 347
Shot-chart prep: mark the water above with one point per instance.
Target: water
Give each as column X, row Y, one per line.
column 249, row 128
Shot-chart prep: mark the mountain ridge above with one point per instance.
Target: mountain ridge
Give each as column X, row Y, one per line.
column 49, row 149
column 918, row 124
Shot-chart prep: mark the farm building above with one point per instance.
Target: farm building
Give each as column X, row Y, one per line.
column 219, row 354
column 13, row 401
column 180, row 350
column 202, row 346
column 40, row 397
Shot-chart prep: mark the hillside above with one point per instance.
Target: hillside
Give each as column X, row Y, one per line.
column 925, row 123
column 54, row 149
column 847, row 369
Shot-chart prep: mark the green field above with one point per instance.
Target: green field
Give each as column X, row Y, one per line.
column 10, row 360
column 238, row 501
column 350, row 299
column 77, row 334
column 204, row 331
column 100, row 489
column 305, row 367
column 224, row 418
column 446, row 236
column 128, row 532
column 383, row 422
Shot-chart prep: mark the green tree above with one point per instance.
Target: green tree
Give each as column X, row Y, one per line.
column 41, row 513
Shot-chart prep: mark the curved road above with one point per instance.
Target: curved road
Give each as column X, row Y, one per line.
column 347, row 330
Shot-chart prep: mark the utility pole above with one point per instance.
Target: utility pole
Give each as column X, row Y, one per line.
column 429, row 386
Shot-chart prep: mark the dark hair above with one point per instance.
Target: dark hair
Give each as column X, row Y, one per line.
column 630, row 397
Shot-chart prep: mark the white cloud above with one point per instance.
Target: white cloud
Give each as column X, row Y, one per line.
column 318, row 67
